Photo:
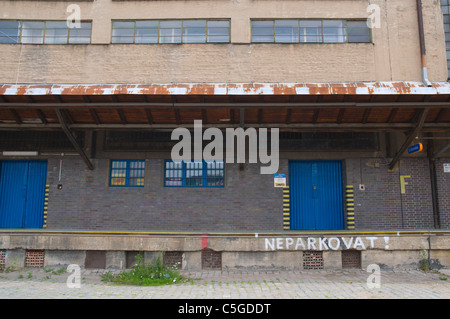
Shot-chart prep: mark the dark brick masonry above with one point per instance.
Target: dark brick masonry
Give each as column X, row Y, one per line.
column 443, row 181
column 248, row 202
column 381, row 205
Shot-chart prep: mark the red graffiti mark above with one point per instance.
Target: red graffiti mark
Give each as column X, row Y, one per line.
column 204, row 240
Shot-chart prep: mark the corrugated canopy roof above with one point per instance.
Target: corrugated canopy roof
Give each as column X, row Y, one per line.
column 356, row 106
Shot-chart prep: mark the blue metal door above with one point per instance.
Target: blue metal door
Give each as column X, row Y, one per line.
column 316, row 195
column 22, row 191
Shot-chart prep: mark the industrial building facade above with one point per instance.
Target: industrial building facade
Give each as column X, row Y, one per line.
column 357, row 91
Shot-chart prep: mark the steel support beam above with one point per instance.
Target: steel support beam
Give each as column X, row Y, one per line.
column 237, row 105
column 72, row 139
column 241, row 117
column 442, row 150
column 434, row 184
column 422, row 115
column 348, row 127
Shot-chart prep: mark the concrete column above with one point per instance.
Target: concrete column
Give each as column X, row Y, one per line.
column 115, row 260
column 64, row 258
column 15, row 258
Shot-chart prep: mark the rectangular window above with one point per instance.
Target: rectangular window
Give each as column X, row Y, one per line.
column 81, row 35
column 286, row 31
column 127, row 173
column 145, row 32
column 56, row 32
column 194, row 31
column 9, row 31
column 357, row 31
column 44, row 32
column 194, row 174
column 33, row 32
column 334, row 31
column 310, row 31
column 263, row 31
column 171, row 31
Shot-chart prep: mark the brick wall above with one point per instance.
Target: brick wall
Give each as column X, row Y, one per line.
column 378, row 206
column 248, row 202
column 443, row 182
column 417, row 204
column 381, row 205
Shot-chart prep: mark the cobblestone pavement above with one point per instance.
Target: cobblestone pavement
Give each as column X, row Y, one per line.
column 316, row 284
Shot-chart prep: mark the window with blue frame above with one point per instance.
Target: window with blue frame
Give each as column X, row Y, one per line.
column 194, row 174
column 127, row 173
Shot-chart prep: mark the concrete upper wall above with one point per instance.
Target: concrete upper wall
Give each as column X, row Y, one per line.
column 394, row 54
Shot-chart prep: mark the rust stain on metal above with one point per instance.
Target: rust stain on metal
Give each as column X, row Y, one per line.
column 199, row 89
column 284, row 90
column 401, row 87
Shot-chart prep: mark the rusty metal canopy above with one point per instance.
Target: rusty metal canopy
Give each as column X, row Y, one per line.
column 356, row 106
column 350, row 88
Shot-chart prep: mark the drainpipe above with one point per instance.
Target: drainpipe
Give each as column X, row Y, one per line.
column 425, row 80
column 434, row 186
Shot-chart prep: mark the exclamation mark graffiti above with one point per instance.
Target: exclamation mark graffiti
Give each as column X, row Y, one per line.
column 386, row 240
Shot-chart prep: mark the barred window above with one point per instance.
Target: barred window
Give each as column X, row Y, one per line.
column 44, row 32
column 171, row 31
column 194, row 174
column 310, row 31
column 127, row 173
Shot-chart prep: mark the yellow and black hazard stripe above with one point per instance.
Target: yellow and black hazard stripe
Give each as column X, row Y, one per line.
column 286, row 209
column 350, row 203
column 47, row 188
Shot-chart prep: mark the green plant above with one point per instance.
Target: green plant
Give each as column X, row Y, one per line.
column 151, row 274
column 424, row 261
column 13, row 267
column 59, row 271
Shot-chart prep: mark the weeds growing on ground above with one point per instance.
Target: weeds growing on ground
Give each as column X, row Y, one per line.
column 151, row 274
column 424, row 261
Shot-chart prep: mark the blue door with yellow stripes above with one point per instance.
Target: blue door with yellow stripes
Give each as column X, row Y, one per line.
column 316, row 198
column 22, row 193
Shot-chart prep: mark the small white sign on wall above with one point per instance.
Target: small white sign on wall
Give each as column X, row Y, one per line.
column 446, row 167
column 280, row 180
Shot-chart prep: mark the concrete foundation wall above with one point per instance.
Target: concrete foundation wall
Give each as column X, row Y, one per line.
column 387, row 250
